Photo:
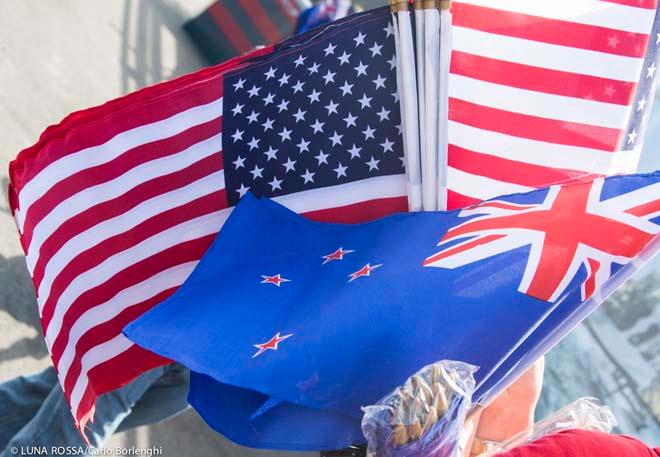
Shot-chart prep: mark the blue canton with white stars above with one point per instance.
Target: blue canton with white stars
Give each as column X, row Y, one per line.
column 314, row 114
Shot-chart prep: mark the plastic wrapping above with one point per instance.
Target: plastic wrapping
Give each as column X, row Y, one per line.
column 583, row 414
column 424, row 416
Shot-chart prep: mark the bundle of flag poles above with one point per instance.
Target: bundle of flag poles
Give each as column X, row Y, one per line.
column 423, row 44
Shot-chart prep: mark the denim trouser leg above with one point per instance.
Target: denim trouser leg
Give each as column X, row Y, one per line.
column 154, row 396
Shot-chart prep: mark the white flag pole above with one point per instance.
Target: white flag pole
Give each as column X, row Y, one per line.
column 431, row 105
column 418, row 9
column 443, row 129
column 407, row 87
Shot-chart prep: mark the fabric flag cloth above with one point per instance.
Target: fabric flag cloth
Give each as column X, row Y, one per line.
column 330, row 317
column 117, row 203
column 545, row 92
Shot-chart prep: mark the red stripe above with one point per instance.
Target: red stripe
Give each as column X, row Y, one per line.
column 542, row 79
column 105, row 332
column 501, row 169
column 133, row 197
column 79, row 130
column 463, row 247
column 111, row 246
column 230, row 28
column 553, row 31
column 648, row 4
column 141, row 271
column 535, row 128
column 107, row 248
column 645, row 209
column 456, row 200
column 106, row 172
column 360, row 212
column 261, row 20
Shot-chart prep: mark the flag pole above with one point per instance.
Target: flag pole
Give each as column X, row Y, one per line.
column 407, row 87
column 418, row 9
column 443, row 102
column 431, row 86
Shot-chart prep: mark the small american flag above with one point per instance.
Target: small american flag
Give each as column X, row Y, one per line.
column 116, row 204
column 544, row 92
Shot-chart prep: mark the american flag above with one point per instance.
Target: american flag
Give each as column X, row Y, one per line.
column 544, row 92
column 116, row 204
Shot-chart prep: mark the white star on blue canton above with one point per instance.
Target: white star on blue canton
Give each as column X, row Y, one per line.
column 268, row 99
column 308, row 176
column 298, row 87
column 314, row 96
column 365, row 101
column 271, row 153
column 239, row 162
column 275, row 184
column 336, row 139
column 322, row 158
column 238, row 109
column 270, row 73
column 375, row 49
column 253, row 117
column 330, row 49
column 389, row 30
column 384, row 114
column 285, row 134
column 239, row 84
column 242, row 191
column 354, row 151
column 379, row 82
column 332, row 107
column 340, row 170
column 283, row 106
column 300, row 115
column 254, row 91
column 254, row 143
column 256, row 172
column 284, row 79
column 373, row 164
column 318, row 126
column 387, row 146
column 300, row 60
column 361, row 69
column 368, row 133
column 329, row 77
column 359, row 39
column 268, row 125
column 289, row 165
column 344, row 58
column 238, row 135
column 347, row 88
column 303, row 146
column 314, row 68
column 350, row 120
column 392, row 62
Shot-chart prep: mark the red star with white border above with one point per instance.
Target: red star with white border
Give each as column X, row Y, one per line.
column 364, row 271
column 337, row 255
column 271, row 344
column 276, row 280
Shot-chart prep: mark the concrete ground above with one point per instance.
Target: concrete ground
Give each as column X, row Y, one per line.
column 57, row 56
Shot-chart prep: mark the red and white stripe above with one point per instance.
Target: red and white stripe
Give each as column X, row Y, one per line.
column 541, row 92
column 116, row 205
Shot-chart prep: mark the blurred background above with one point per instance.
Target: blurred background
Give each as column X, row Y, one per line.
column 58, row 56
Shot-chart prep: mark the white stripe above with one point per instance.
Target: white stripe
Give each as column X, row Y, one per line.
column 117, row 145
column 480, row 187
column 124, row 222
column 100, row 274
column 345, row 194
column 544, row 55
column 539, row 152
column 538, row 104
column 99, row 354
column 99, row 193
column 165, row 280
column 589, row 12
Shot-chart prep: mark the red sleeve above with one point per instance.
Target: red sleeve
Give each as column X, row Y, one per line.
column 581, row 443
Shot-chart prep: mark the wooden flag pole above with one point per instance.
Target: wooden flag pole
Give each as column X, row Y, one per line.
column 431, row 106
column 407, row 87
column 418, row 10
column 443, row 102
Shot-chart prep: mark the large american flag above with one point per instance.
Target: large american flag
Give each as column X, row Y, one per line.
column 116, row 204
column 544, row 92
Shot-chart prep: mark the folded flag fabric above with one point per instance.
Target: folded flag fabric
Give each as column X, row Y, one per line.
column 117, row 203
column 329, row 317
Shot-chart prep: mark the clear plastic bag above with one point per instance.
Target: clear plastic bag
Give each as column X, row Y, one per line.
column 583, row 414
column 424, row 417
